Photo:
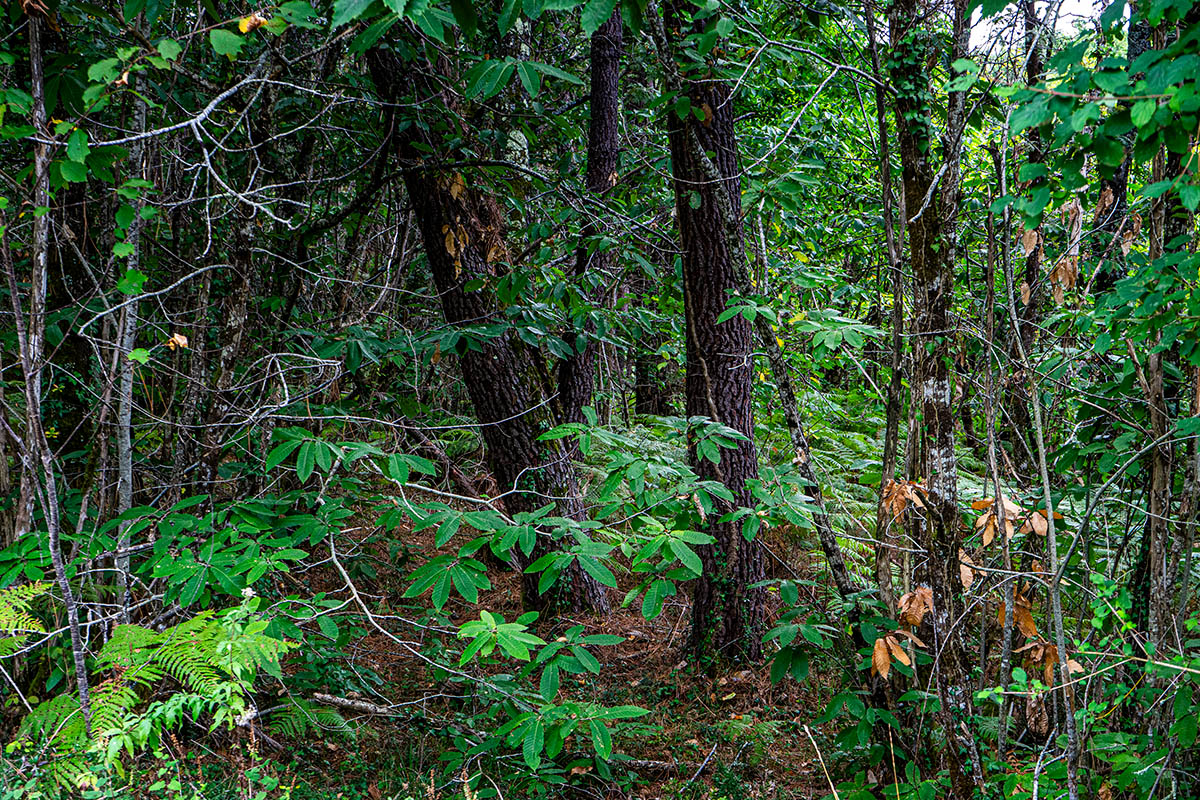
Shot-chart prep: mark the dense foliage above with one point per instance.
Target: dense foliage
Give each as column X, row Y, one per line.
column 583, row 398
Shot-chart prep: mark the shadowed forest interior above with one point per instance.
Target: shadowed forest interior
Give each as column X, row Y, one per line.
column 599, row 399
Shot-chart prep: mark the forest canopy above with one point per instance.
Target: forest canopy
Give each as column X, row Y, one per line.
column 599, row 399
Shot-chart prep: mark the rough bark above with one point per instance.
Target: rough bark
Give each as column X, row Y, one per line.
column 884, row 547
column 931, row 198
column 577, row 373
column 727, row 612
column 463, row 234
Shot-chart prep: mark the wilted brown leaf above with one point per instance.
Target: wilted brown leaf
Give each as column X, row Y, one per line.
column 965, row 572
column 881, row 661
column 897, row 651
column 1102, row 205
column 1029, row 240
column 914, row 605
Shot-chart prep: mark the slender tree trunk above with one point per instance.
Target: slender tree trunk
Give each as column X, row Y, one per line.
column 38, row 458
column 727, row 611
column 884, row 548
column 932, row 197
column 128, row 340
column 577, row 373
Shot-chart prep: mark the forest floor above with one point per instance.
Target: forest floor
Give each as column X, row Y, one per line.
column 730, row 735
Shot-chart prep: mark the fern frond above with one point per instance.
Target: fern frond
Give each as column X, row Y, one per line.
column 299, row 717
column 56, row 723
column 15, row 617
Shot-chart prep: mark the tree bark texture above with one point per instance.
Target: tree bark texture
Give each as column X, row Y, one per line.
column 931, row 199
column 577, row 374
column 727, row 613
column 463, row 233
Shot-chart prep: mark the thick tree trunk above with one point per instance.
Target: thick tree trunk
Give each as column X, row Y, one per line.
column 727, row 613
column 463, row 234
column 577, row 374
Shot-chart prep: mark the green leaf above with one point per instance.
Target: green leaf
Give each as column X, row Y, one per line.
column 105, row 71
column 601, row 739
column 169, row 49
column 508, row 16
column 279, row 454
column 328, row 627
column 131, row 282
column 548, row 686
column 588, row 660
column 465, row 16
column 306, row 461
column 139, row 354
column 77, row 145
column 597, row 570
column 531, row 79
column 1142, row 112
column 73, row 171
column 345, row 11
column 299, row 13
column 687, row 556
column 595, row 14
column 1189, row 194
column 535, row 742
column 226, row 43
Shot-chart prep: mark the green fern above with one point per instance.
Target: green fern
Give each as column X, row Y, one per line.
column 15, row 618
column 299, row 717
column 214, row 659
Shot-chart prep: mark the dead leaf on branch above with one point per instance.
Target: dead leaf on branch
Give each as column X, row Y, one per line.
column 988, row 525
column 1026, row 293
column 252, row 22
column 1102, row 205
column 914, row 605
column 888, row 648
column 1037, row 523
column 1022, row 615
column 1040, row 654
column 966, row 571
column 1029, row 240
column 898, row 494
column 881, row 660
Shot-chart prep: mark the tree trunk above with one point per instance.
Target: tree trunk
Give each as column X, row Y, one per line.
column 577, row 373
column 884, row 547
column 933, row 206
column 727, row 613
column 463, row 234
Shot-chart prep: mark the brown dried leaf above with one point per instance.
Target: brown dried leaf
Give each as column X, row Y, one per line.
column 897, row 651
column 1023, row 618
column 965, row 572
column 1026, row 293
column 1029, row 240
column 1102, row 205
column 881, row 662
column 914, row 606
column 910, row 636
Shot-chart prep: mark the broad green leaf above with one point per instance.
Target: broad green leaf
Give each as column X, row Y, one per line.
column 595, row 14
